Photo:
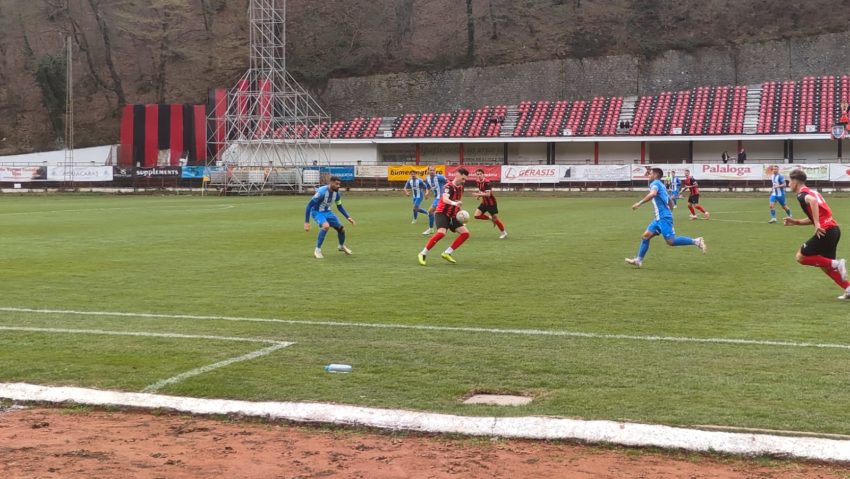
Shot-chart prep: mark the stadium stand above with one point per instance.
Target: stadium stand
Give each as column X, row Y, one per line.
column 811, row 105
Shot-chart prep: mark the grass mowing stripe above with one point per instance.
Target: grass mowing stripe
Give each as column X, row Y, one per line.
column 205, row 369
column 424, row 327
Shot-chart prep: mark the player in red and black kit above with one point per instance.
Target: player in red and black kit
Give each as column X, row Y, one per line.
column 820, row 249
column 690, row 184
column 488, row 203
column 445, row 218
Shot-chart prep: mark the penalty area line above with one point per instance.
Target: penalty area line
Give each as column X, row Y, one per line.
column 450, row 329
column 275, row 345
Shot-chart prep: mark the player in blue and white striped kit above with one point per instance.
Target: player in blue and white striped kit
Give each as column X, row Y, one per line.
column 662, row 223
column 675, row 184
column 436, row 184
column 777, row 193
column 319, row 208
column 419, row 189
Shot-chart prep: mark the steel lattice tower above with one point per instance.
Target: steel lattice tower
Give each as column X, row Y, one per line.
column 268, row 126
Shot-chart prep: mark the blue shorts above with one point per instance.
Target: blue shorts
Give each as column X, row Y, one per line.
column 417, row 201
column 674, row 195
column 777, row 199
column 322, row 216
column 435, row 203
column 662, row 227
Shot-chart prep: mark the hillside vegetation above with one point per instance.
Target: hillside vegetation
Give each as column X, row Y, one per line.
column 131, row 51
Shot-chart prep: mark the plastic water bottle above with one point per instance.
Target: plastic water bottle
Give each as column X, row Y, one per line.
column 338, row 368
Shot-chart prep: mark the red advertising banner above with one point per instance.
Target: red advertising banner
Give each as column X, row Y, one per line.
column 491, row 172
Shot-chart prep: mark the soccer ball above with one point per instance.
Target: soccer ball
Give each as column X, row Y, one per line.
column 462, row 216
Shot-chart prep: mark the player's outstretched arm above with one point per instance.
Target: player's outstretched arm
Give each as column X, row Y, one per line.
column 646, row 199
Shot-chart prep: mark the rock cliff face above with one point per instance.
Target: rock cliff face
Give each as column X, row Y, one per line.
column 130, row 51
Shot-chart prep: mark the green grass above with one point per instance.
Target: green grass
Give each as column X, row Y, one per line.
column 561, row 269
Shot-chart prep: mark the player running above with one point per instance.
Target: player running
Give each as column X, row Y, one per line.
column 674, row 184
column 420, row 190
column 319, row 208
column 777, row 193
column 820, row 249
column 436, row 184
column 662, row 224
column 444, row 218
column 488, row 203
column 693, row 196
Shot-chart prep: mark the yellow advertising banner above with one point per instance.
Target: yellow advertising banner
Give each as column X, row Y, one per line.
column 402, row 172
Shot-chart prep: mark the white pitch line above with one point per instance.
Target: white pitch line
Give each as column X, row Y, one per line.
column 83, row 210
column 546, row 428
column 275, row 345
column 205, row 369
column 738, row 221
column 141, row 334
column 457, row 329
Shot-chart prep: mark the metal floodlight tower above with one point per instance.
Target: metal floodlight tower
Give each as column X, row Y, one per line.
column 267, row 128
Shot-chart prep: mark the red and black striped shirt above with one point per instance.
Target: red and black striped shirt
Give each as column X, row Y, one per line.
column 455, row 193
column 824, row 213
column 484, row 186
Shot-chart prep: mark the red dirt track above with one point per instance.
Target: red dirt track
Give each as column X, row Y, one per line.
column 59, row 443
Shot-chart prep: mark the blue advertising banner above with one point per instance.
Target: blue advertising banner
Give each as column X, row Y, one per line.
column 193, row 172
column 345, row 173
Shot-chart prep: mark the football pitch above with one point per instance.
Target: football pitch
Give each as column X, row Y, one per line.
column 222, row 298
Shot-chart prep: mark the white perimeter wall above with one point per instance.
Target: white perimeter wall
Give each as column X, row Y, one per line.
column 578, row 153
column 711, row 151
column 764, row 151
column 573, row 153
column 353, row 154
column 527, row 153
column 618, row 153
column 96, row 156
column 813, row 151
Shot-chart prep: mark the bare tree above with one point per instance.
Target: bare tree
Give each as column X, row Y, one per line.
column 163, row 27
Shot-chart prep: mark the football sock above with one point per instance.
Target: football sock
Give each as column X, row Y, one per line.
column 818, row 261
column 423, row 211
column 430, row 220
column 415, row 213
column 700, row 208
column 644, row 247
column 500, row 225
column 457, row 242
column 836, row 276
column 482, row 216
column 341, row 235
column 788, row 212
column 321, row 238
column 683, row 241
column 772, row 213
column 691, row 207
column 433, row 241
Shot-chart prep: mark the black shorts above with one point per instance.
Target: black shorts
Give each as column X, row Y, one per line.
column 442, row 220
column 693, row 199
column 492, row 209
column 825, row 246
